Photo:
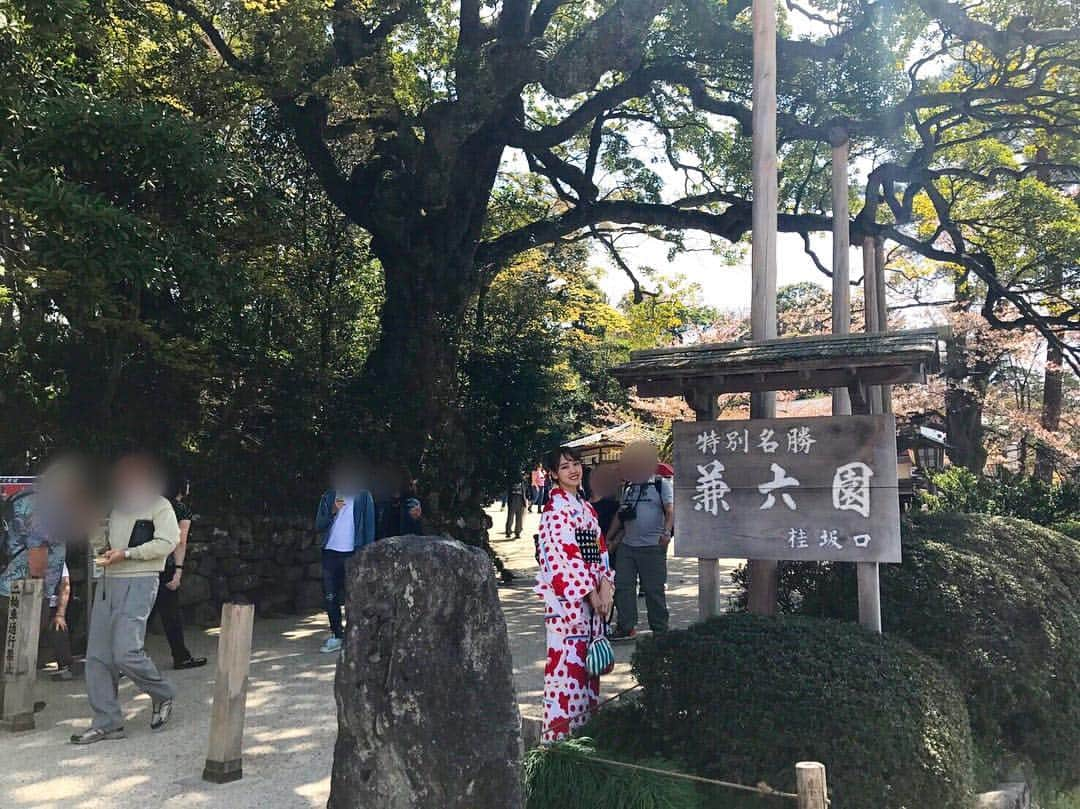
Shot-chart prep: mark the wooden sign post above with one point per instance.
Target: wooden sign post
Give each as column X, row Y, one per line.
column 814, row 489
column 810, row 783
column 19, row 668
column 762, row 596
column 224, row 760
column 704, row 403
column 841, row 247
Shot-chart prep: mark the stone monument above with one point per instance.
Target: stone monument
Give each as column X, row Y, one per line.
column 427, row 714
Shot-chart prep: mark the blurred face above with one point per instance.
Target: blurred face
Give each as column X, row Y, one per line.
column 568, row 474
column 638, row 463
column 347, row 479
column 605, row 481
column 136, row 482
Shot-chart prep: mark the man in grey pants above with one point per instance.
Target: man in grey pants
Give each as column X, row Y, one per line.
column 642, row 531
column 142, row 531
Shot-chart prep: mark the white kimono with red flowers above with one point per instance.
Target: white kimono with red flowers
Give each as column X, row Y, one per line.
column 564, row 582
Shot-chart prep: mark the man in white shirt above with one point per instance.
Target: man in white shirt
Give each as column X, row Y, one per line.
column 345, row 522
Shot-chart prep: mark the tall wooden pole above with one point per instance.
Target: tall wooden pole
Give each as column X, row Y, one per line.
column 882, row 312
column 762, row 596
column 841, row 249
column 867, row 572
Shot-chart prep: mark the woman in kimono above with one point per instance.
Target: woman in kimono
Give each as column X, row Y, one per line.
column 577, row 585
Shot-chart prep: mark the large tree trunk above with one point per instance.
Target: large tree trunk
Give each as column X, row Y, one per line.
column 964, row 399
column 1053, row 397
column 410, row 389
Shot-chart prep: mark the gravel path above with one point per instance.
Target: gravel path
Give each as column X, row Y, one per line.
column 291, row 722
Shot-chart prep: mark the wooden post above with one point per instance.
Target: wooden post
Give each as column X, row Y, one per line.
column 841, row 248
column 883, row 312
column 867, row 573
column 810, row 784
column 18, row 671
column 223, row 759
column 870, row 307
column 762, row 595
column 705, row 408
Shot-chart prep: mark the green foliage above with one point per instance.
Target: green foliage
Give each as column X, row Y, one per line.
column 541, row 343
column 997, row 601
column 565, row 775
column 1005, row 494
column 1070, row 528
column 744, row 698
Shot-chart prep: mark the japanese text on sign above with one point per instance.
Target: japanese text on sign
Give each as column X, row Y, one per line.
column 817, row 488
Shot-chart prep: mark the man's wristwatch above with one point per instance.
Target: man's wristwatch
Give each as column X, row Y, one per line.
column 178, row 567
column 127, row 553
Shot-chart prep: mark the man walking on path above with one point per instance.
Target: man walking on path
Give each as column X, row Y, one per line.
column 642, row 530
column 515, row 506
column 345, row 522
column 167, row 605
column 141, row 532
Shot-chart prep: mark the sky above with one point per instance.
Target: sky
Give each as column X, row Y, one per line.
column 722, row 285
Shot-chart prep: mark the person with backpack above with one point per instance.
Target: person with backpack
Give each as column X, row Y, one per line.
column 642, row 531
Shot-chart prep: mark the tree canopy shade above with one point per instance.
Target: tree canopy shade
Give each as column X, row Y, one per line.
column 407, row 112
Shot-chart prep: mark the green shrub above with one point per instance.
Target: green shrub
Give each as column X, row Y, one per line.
column 565, row 775
column 1070, row 528
column 744, row 698
column 1003, row 495
column 997, row 601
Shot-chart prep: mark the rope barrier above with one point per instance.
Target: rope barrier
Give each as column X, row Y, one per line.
column 760, row 789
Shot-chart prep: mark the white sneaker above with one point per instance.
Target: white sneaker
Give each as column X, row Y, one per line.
column 331, row 644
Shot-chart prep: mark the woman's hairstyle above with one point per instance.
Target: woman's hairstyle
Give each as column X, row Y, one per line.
column 555, row 456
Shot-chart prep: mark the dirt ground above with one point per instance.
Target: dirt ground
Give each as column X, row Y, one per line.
column 291, row 722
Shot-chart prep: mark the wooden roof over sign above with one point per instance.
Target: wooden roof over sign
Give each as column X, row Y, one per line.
column 793, row 363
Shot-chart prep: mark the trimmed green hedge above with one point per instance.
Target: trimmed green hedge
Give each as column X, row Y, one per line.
column 997, row 601
column 744, row 698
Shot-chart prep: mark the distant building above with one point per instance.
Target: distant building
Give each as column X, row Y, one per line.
column 607, row 445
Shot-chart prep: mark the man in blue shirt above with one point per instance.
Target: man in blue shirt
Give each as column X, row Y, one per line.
column 345, row 522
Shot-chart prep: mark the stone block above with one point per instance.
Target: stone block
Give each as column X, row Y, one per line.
column 236, row 567
column 193, row 588
column 226, row 548
column 205, row 614
column 244, row 583
column 426, row 656
column 1011, row 795
column 292, row 573
column 309, row 596
column 219, row 589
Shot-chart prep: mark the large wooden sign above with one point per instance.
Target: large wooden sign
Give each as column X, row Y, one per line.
column 811, row 489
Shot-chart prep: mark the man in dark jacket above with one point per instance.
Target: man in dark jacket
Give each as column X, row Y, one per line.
column 345, row 522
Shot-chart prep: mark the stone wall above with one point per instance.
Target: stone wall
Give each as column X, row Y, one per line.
column 271, row 562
